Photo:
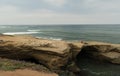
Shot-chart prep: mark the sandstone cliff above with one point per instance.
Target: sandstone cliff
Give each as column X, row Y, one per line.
column 103, row 51
column 56, row 55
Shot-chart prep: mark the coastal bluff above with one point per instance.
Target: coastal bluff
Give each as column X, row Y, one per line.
column 56, row 55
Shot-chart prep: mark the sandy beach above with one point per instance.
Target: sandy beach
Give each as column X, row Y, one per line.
column 25, row 72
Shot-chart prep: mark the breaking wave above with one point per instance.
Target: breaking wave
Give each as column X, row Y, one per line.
column 59, row 39
column 19, row 33
column 33, row 30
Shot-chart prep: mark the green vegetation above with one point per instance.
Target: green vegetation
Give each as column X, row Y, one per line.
column 11, row 65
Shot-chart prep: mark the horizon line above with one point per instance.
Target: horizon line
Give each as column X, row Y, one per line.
column 62, row 24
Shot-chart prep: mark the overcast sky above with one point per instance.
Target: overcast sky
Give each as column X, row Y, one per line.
column 59, row 11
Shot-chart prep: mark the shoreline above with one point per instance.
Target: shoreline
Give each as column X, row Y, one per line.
column 60, row 39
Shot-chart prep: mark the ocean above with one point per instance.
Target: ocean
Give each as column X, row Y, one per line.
column 105, row 33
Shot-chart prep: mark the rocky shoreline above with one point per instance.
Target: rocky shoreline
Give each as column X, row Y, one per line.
column 58, row 56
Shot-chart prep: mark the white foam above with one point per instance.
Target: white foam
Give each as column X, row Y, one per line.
column 19, row 33
column 59, row 39
column 33, row 30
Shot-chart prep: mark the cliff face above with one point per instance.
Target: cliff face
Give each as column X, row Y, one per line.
column 56, row 55
column 103, row 51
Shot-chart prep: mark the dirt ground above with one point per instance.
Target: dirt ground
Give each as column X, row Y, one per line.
column 25, row 72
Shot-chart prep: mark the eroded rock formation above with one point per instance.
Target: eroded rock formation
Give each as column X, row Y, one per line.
column 56, row 55
column 103, row 51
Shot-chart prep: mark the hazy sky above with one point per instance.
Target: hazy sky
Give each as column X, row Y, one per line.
column 59, row 11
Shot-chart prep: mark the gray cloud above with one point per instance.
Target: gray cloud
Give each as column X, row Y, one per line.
column 59, row 11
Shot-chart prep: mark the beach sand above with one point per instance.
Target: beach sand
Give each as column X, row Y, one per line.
column 25, row 72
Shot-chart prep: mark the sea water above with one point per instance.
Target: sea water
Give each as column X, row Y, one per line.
column 105, row 33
